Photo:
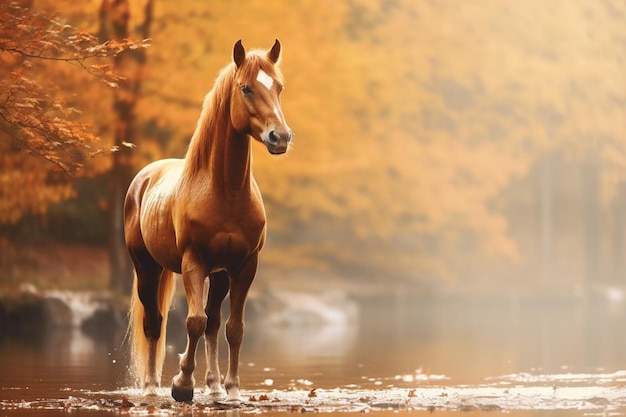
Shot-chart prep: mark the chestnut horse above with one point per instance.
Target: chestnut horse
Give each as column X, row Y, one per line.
column 203, row 216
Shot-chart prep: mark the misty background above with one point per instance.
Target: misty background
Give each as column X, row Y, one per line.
column 439, row 146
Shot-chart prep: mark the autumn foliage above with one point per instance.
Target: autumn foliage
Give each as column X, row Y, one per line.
column 421, row 129
column 44, row 139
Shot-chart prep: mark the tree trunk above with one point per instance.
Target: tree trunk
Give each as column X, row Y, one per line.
column 114, row 25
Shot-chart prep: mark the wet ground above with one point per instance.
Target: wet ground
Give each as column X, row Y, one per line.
column 443, row 400
column 449, row 357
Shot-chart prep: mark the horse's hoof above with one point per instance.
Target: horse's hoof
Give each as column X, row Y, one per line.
column 234, row 400
column 217, row 394
column 182, row 395
column 233, row 397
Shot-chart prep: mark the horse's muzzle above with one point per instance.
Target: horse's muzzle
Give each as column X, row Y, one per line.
column 277, row 142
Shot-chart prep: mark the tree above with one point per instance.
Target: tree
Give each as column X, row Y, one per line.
column 43, row 140
column 114, row 25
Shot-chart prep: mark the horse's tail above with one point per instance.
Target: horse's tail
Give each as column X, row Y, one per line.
column 139, row 343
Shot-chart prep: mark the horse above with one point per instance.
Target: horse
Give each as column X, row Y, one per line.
column 203, row 216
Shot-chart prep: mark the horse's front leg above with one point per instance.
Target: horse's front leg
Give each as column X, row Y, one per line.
column 193, row 278
column 218, row 288
column 239, row 286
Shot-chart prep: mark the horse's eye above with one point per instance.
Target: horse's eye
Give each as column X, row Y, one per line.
column 246, row 89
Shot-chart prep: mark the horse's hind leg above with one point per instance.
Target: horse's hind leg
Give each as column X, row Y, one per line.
column 193, row 278
column 146, row 320
column 218, row 288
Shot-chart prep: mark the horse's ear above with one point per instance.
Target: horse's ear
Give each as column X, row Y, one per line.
column 239, row 53
column 274, row 53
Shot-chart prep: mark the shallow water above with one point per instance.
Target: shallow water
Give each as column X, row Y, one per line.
column 455, row 357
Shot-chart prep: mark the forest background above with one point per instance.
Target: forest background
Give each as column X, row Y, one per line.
column 439, row 146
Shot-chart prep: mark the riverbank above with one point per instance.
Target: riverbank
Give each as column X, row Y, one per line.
column 31, row 312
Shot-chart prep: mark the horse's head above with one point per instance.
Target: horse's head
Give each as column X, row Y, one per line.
column 255, row 101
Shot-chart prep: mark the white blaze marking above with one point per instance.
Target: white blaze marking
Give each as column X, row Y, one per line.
column 265, row 79
column 280, row 116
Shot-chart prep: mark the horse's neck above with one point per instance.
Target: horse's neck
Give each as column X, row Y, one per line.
column 229, row 162
column 221, row 156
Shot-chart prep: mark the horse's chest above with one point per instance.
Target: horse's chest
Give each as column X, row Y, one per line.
column 226, row 235
column 227, row 248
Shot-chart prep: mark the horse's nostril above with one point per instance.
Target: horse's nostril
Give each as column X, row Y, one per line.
column 273, row 137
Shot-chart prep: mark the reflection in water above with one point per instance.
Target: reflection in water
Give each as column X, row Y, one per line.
column 59, row 362
column 470, row 340
column 394, row 344
column 302, row 343
column 80, row 347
